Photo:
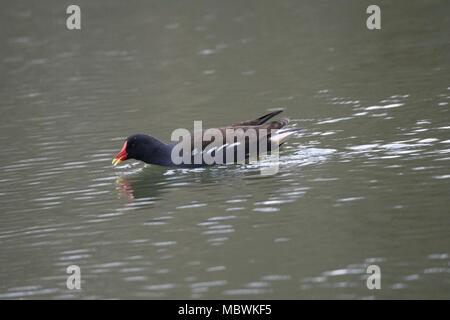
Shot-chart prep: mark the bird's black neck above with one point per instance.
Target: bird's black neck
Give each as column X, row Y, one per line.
column 158, row 153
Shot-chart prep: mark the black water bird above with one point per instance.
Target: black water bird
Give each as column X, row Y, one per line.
column 153, row 151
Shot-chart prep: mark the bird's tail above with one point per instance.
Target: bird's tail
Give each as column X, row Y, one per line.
column 282, row 135
column 259, row 121
column 268, row 116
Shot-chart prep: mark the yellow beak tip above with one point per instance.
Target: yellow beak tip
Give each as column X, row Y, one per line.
column 116, row 161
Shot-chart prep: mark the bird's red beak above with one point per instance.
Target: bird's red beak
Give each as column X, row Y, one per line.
column 121, row 156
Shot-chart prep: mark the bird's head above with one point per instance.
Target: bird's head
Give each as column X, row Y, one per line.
column 134, row 148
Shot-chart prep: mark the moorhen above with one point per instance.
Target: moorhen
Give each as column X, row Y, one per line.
column 152, row 151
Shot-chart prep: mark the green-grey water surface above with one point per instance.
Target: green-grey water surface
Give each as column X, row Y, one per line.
column 366, row 183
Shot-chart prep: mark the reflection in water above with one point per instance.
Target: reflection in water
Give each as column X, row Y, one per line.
column 147, row 183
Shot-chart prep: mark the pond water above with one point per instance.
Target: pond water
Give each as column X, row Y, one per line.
column 367, row 182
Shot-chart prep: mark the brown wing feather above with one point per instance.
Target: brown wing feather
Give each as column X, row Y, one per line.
column 269, row 126
column 257, row 124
